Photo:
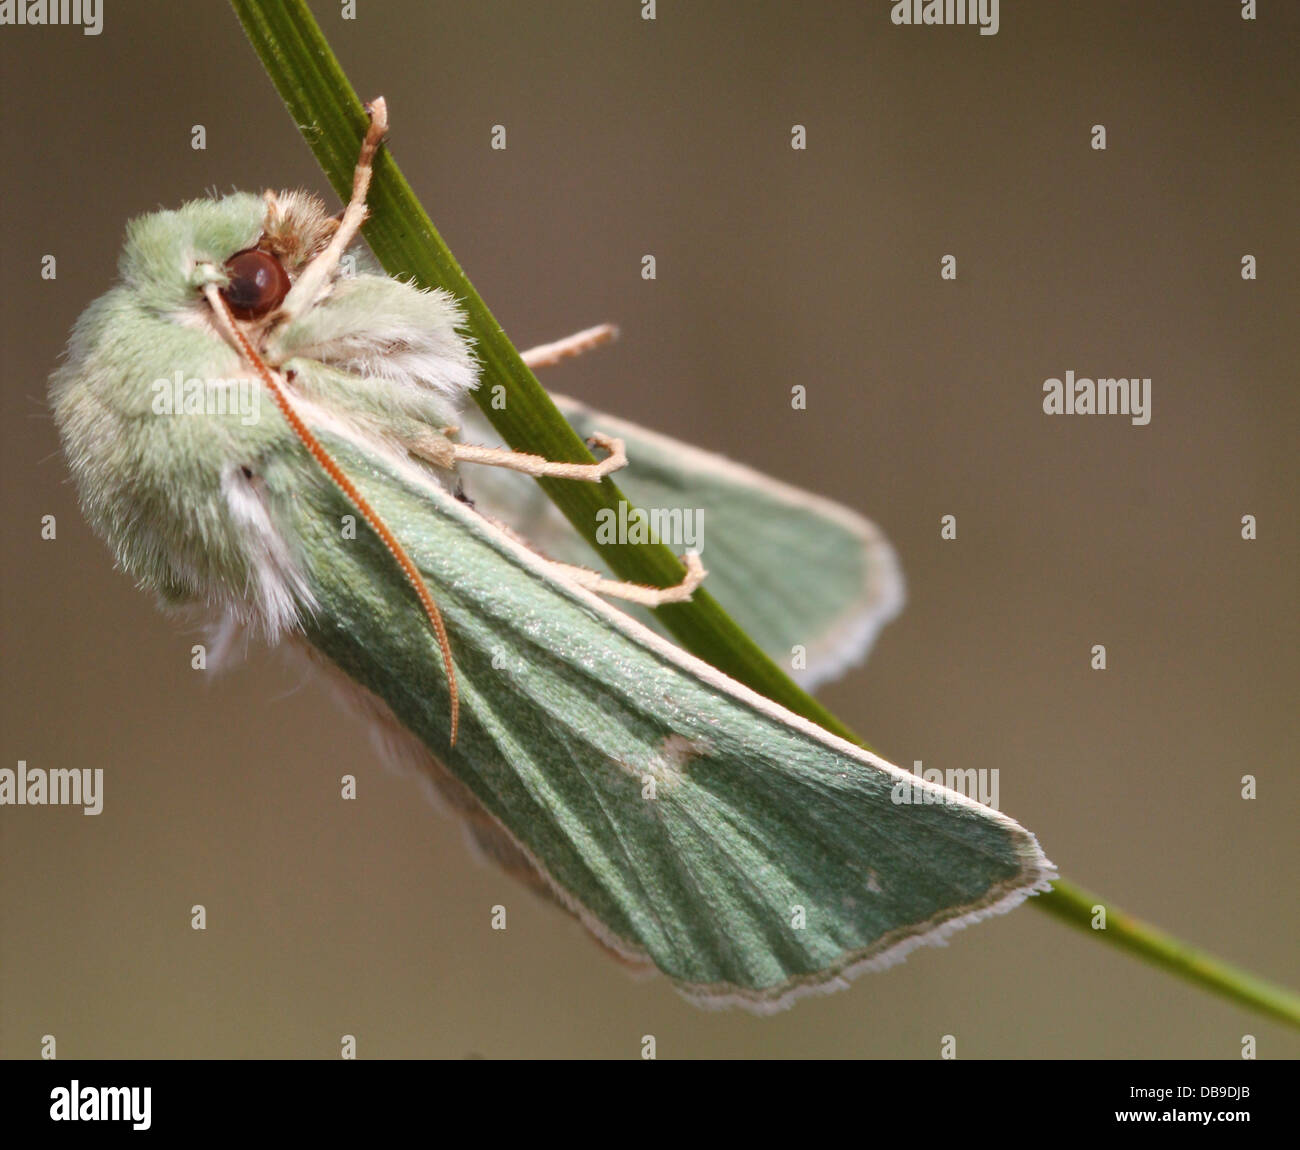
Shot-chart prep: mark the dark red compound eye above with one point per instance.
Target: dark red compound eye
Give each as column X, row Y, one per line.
column 257, row 284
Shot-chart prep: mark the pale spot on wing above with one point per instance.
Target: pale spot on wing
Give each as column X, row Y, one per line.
column 667, row 766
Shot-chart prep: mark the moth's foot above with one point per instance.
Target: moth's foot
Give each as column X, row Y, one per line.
column 615, row 460
column 549, row 354
column 638, row 593
column 377, row 110
column 540, row 468
column 695, row 574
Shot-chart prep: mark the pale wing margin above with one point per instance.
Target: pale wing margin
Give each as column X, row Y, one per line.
column 686, row 820
column 792, row 568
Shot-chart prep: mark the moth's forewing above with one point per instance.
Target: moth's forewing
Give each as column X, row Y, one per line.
column 743, row 851
column 810, row 581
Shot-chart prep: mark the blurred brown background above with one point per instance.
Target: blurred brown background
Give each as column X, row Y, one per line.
column 774, row 267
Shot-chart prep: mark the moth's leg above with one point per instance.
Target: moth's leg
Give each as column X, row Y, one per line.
column 636, row 592
column 549, row 354
column 433, row 447
column 316, row 276
column 538, row 467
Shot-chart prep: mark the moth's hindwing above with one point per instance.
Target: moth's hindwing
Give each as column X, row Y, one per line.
column 742, row 850
column 793, row 569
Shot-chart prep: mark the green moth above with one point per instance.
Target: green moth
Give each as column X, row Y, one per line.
column 271, row 441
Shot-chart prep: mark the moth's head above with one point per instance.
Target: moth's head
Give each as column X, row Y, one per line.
column 259, row 244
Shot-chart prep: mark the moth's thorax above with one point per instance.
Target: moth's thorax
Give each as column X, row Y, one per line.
column 169, row 433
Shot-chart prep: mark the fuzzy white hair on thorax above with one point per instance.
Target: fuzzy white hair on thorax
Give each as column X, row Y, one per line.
column 383, row 329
